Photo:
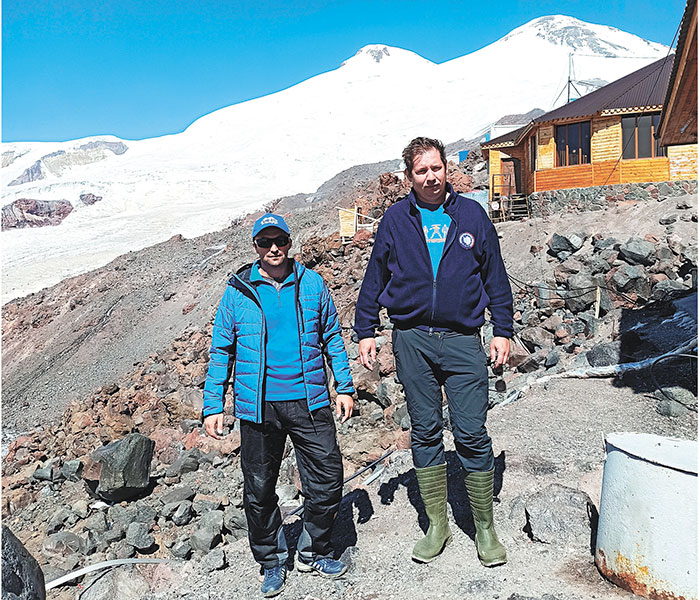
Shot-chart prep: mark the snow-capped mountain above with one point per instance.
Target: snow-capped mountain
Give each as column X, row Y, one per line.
column 237, row 159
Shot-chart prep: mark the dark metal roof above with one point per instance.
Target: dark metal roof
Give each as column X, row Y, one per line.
column 507, row 139
column 643, row 88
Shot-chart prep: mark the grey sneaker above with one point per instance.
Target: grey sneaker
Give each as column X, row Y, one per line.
column 326, row 567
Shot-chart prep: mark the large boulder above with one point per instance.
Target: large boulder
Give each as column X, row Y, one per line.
column 22, row 577
column 637, row 251
column 566, row 242
column 605, row 354
column 561, row 516
column 632, row 278
column 536, row 338
column 582, row 292
column 668, row 290
column 125, row 467
column 27, row 212
column 125, row 583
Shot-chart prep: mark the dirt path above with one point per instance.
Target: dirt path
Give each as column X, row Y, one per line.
column 551, row 435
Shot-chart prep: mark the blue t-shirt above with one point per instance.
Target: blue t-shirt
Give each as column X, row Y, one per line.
column 436, row 224
column 283, row 377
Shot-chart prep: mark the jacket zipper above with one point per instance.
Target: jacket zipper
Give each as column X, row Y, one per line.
column 301, row 330
column 263, row 356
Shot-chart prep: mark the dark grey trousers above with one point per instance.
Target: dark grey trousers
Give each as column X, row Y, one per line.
column 425, row 362
column 320, row 470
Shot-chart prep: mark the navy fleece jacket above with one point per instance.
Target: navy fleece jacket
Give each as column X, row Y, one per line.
column 470, row 278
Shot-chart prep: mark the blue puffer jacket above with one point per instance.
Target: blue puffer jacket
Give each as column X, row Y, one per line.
column 238, row 344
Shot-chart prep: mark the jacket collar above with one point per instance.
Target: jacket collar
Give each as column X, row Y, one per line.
column 243, row 277
column 448, row 204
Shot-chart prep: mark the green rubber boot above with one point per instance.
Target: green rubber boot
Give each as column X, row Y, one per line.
column 432, row 482
column 480, row 489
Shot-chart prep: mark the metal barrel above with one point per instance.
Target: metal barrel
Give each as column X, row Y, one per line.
column 647, row 538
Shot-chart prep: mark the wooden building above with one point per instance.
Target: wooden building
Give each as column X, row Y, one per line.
column 679, row 117
column 606, row 137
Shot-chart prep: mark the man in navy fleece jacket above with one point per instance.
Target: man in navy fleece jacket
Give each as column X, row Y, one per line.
column 436, row 266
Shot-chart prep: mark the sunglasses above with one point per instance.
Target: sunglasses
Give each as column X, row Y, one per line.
column 279, row 241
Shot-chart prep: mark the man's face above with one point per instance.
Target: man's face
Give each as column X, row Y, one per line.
column 275, row 255
column 428, row 177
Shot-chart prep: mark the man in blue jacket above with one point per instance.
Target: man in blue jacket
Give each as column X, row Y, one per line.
column 274, row 323
column 436, row 266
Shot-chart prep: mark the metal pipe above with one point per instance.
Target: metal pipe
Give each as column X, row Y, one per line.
column 298, row 509
column 104, row 565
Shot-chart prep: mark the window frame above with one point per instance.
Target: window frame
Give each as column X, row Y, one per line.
column 657, row 150
column 533, row 153
column 579, row 148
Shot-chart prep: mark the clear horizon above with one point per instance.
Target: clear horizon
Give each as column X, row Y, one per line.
column 138, row 70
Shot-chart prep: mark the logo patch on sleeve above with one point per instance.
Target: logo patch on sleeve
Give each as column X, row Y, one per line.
column 466, row 240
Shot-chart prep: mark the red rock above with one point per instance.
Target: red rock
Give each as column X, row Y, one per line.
column 194, row 440
column 385, row 358
column 188, row 308
column 402, row 440
column 14, row 500
column 361, row 238
column 168, row 444
column 91, row 469
column 231, row 443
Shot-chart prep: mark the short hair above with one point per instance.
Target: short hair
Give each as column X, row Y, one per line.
column 421, row 145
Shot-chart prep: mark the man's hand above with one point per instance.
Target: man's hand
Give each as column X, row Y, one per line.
column 343, row 406
column 500, row 351
column 214, row 426
column 368, row 353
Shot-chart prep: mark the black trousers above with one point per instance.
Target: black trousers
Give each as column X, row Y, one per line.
column 320, row 470
column 425, row 362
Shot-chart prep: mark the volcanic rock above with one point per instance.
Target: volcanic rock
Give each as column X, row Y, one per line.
column 125, row 467
column 22, row 577
column 637, row 251
column 560, row 515
column 26, row 212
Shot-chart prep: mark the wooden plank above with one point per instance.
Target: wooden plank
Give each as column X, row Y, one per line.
column 565, row 177
column 347, row 222
column 606, row 139
column 606, row 173
column 645, row 169
column 545, row 147
column 494, row 168
column 683, row 162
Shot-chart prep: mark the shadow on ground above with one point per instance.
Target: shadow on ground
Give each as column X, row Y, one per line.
column 456, row 492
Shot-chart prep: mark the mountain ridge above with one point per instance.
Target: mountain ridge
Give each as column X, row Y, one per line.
column 218, row 169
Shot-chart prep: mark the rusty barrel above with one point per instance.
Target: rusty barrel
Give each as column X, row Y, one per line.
column 648, row 527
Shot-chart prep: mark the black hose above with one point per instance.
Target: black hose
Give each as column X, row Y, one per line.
column 655, row 381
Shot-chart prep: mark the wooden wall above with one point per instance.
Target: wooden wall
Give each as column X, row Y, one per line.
column 606, row 168
column 523, row 155
column 606, row 139
column 683, row 161
column 545, row 147
column 607, row 172
column 494, row 168
column 565, row 177
column 644, row 169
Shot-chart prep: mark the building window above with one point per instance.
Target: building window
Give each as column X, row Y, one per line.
column 573, row 144
column 533, row 154
column 638, row 137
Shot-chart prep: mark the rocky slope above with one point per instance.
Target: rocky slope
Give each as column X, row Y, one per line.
column 546, row 435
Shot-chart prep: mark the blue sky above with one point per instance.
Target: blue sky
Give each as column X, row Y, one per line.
column 136, row 69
